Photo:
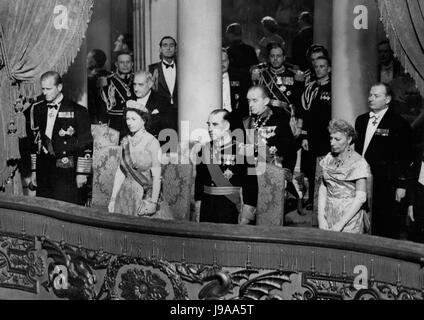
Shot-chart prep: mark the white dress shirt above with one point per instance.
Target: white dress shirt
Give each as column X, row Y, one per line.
column 52, row 115
column 170, row 76
column 226, row 92
column 372, row 128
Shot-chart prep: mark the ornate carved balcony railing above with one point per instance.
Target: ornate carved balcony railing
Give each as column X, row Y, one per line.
column 52, row 250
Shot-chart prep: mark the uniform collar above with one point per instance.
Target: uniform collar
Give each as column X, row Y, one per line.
column 282, row 69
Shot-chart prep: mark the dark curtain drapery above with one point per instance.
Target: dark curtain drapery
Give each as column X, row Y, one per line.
column 38, row 36
column 404, row 24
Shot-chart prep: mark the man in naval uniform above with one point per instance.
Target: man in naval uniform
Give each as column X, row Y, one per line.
column 115, row 91
column 165, row 81
column 224, row 171
column 316, row 103
column 61, row 156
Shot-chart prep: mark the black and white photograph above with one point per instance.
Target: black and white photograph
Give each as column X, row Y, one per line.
column 212, row 154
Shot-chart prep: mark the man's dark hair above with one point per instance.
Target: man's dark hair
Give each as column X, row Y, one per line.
column 326, row 59
column 389, row 90
column 166, row 38
column 316, row 48
column 275, row 45
column 52, row 74
column 306, row 17
column 100, row 57
column 124, row 53
column 235, row 29
column 270, row 24
column 226, row 115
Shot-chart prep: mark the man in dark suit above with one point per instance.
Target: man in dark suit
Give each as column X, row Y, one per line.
column 303, row 40
column 165, row 81
column 242, row 56
column 385, row 140
column 234, row 89
column 156, row 105
column 61, row 156
column 96, row 74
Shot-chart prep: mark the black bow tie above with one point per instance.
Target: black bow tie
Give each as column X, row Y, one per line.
column 168, row 65
column 53, row 105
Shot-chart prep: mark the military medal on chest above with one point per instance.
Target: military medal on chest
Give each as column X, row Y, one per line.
column 228, row 174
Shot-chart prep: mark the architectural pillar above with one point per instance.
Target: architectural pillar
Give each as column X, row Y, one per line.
column 323, row 26
column 354, row 56
column 140, row 33
column 199, row 63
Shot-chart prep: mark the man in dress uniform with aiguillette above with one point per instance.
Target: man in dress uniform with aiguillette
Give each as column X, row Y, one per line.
column 279, row 81
column 224, row 171
column 115, row 91
column 61, row 157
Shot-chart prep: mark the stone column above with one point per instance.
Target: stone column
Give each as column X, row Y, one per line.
column 323, row 27
column 354, row 56
column 199, row 63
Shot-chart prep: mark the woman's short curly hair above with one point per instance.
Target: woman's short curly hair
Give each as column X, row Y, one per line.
column 342, row 126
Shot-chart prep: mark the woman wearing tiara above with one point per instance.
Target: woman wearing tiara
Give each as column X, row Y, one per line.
column 137, row 185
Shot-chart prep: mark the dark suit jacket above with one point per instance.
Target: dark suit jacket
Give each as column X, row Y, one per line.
column 239, row 86
column 159, row 109
column 242, row 57
column 160, row 85
column 389, row 152
column 162, row 90
column 301, row 43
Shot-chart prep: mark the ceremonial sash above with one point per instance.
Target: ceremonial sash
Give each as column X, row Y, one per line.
column 127, row 167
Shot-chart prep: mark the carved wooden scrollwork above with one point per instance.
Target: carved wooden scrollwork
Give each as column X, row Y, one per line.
column 324, row 287
column 19, row 265
column 148, row 286
column 72, row 272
